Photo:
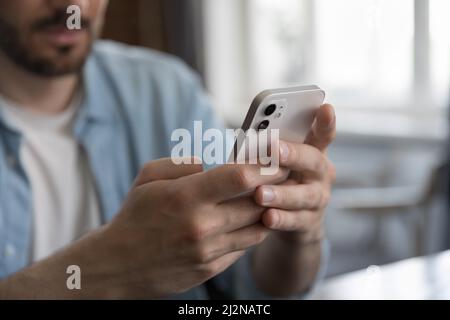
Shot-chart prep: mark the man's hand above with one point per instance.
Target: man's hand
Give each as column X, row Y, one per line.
column 177, row 229
column 297, row 205
column 288, row 262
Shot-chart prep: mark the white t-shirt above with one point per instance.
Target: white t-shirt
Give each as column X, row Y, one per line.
column 65, row 204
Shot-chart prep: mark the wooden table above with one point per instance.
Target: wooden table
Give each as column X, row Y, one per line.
column 425, row 278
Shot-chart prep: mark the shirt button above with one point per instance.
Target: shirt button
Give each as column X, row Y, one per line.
column 10, row 251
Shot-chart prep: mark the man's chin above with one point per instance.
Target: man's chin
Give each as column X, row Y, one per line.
column 49, row 53
column 56, row 60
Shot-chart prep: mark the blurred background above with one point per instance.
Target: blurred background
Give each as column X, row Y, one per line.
column 384, row 64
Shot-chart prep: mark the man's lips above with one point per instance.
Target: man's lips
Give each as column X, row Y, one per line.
column 62, row 36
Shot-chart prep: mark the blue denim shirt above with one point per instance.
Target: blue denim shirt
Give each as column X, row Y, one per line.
column 133, row 100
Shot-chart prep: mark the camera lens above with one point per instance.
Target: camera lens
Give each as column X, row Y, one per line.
column 263, row 125
column 270, row 109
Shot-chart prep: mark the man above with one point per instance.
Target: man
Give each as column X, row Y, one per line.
column 80, row 119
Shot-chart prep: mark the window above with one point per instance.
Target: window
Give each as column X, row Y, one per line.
column 378, row 55
column 440, row 48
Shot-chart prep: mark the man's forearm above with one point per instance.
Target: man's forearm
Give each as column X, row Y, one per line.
column 44, row 280
column 47, row 279
column 283, row 268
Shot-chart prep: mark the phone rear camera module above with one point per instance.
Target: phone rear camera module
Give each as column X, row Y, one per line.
column 263, row 125
column 270, row 110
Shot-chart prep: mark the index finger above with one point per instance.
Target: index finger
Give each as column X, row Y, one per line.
column 232, row 180
column 166, row 169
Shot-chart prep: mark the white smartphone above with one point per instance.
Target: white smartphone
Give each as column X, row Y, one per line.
column 290, row 110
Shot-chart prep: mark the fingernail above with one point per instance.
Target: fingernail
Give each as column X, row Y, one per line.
column 284, row 151
column 268, row 195
column 275, row 220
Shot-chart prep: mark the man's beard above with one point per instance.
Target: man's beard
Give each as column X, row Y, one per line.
column 15, row 48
